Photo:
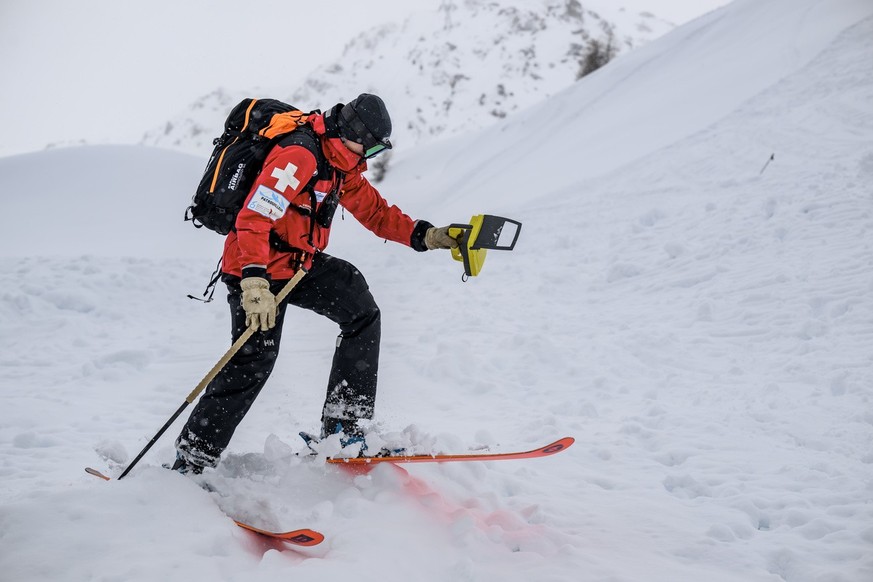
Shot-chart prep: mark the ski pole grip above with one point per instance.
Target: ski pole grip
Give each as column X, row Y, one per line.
column 241, row 340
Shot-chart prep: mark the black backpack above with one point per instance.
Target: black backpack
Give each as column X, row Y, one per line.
column 251, row 130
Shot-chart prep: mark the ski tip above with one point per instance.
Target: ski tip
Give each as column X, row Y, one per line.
column 558, row 446
column 298, row 537
column 302, row 537
column 97, row 473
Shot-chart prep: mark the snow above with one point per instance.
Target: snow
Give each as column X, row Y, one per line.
column 699, row 323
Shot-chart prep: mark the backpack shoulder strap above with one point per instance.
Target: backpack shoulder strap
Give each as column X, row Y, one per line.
column 305, row 137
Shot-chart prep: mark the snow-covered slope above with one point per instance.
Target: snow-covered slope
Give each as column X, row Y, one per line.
column 102, row 201
column 700, row 323
column 641, row 103
column 451, row 71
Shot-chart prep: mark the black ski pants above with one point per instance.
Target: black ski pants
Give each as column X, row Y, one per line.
column 333, row 288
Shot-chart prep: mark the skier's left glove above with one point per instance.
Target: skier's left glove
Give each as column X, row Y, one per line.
column 438, row 238
column 427, row 237
column 259, row 303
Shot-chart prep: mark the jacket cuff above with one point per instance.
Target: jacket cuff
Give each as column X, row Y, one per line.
column 255, row 271
column 416, row 241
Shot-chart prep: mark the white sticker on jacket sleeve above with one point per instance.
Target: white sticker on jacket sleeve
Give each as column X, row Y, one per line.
column 269, row 203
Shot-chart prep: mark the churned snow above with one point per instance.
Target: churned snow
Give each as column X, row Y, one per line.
column 697, row 315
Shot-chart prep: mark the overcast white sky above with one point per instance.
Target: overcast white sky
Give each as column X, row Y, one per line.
column 109, row 70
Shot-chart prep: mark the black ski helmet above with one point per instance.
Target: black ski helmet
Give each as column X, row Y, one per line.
column 365, row 120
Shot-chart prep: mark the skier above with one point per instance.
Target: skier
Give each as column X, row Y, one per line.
column 284, row 226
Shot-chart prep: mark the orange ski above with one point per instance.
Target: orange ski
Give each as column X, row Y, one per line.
column 551, row 449
column 97, row 473
column 298, row 537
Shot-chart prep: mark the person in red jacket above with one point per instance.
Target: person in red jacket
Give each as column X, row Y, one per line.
column 284, row 226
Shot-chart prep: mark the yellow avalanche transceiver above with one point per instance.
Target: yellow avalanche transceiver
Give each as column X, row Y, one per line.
column 483, row 233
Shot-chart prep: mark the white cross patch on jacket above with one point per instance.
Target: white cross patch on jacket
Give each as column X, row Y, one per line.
column 286, row 177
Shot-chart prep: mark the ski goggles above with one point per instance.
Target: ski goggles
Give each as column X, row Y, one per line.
column 376, row 149
column 355, row 130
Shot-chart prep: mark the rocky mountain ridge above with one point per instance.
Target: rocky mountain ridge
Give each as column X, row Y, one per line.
column 466, row 65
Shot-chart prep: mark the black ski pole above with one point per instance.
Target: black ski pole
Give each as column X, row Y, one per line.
column 772, row 157
column 214, row 372
column 155, row 438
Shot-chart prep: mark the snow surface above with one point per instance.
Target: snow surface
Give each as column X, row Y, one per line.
column 700, row 322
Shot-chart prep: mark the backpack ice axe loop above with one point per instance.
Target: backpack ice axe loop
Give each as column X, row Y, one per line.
column 483, row 233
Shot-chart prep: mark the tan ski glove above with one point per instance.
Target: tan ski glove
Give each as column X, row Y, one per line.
column 438, row 238
column 259, row 303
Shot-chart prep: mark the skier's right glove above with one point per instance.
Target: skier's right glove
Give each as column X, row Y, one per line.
column 259, row 303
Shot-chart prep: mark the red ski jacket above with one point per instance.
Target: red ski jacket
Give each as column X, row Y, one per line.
column 277, row 202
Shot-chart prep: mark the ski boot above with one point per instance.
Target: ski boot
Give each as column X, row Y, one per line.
column 349, row 430
column 184, row 467
column 353, row 441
